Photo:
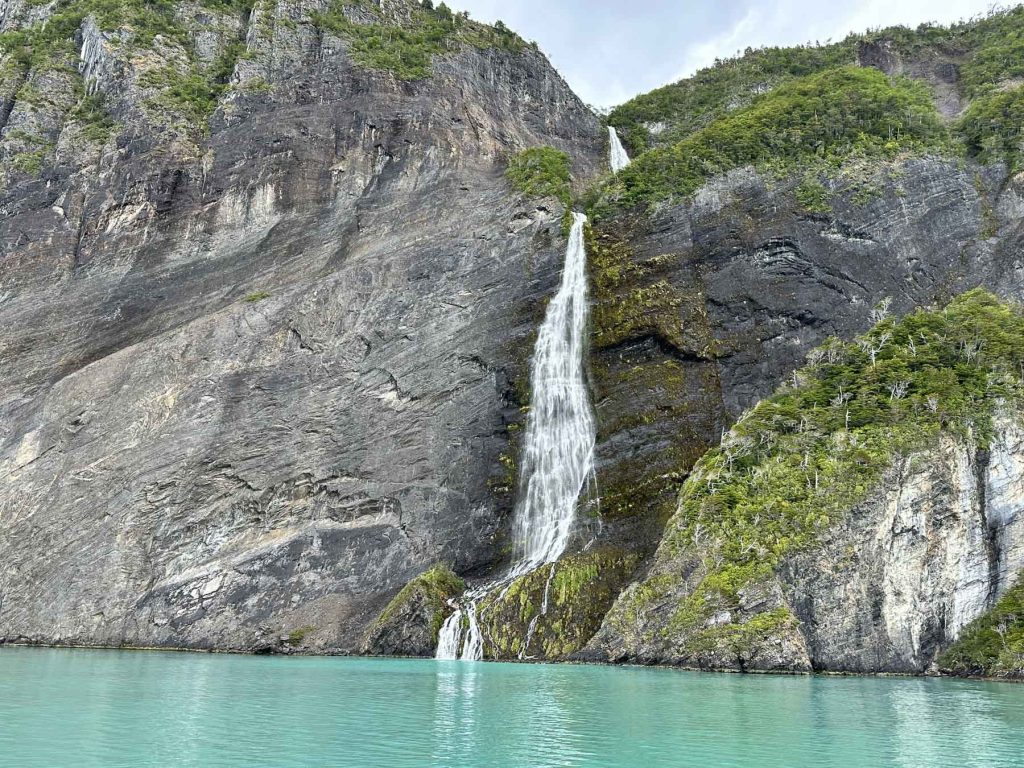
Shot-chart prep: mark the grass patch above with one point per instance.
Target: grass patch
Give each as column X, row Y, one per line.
column 256, row 296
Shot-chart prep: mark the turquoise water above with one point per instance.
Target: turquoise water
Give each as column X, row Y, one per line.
column 114, row 708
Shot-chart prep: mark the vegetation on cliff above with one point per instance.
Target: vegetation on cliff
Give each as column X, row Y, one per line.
column 824, row 118
column 809, row 109
column 429, row 593
column 406, row 46
column 797, row 461
column 540, row 172
column 988, row 52
column 992, row 645
column 553, row 611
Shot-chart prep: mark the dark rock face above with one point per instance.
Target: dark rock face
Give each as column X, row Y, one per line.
column 257, row 383
column 755, row 283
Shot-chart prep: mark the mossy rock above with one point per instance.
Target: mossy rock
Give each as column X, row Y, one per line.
column 580, row 588
column 411, row 622
column 800, row 460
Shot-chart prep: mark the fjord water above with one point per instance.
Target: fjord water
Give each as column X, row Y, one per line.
column 146, row 709
column 558, row 453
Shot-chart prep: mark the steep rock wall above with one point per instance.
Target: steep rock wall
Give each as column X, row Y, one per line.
column 254, row 382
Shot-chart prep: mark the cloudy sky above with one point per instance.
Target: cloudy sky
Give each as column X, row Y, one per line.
column 610, row 50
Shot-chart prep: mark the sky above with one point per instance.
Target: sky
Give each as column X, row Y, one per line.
column 609, row 50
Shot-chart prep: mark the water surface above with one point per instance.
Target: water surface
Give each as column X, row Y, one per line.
column 123, row 708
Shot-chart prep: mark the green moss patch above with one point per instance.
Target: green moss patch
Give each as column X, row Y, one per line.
column 580, row 589
column 431, row 589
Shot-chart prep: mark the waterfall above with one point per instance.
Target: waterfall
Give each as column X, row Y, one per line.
column 619, row 158
column 558, row 454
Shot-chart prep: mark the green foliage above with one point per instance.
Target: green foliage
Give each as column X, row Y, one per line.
column 993, row 127
column 296, row 636
column 992, row 645
column 30, row 162
column 812, row 195
column 96, row 122
column 691, row 104
column 991, row 49
column 995, row 46
column 541, row 172
column 800, row 459
column 252, row 298
column 407, row 47
column 824, row 117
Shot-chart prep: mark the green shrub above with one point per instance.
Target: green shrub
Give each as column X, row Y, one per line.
column 296, row 636
column 992, row 645
column 541, row 172
column 91, row 114
column 252, row 298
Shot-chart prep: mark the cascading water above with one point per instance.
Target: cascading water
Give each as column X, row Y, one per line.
column 617, row 154
column 558, row 456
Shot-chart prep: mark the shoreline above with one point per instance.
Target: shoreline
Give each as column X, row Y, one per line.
column 675, row 667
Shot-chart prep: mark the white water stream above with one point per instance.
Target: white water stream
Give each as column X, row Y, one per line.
column 558, row 455
column 619, row 158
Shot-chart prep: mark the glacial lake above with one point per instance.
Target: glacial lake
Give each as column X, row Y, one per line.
column 123, row 708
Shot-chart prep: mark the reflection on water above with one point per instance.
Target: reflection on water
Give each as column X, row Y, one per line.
column 108, row 708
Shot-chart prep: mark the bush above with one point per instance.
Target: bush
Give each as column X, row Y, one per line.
column 541, row 172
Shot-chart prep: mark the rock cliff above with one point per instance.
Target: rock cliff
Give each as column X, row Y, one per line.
column 268, row 294
column 259, row 374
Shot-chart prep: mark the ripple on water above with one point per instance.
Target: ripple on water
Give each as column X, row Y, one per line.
column 109, row 708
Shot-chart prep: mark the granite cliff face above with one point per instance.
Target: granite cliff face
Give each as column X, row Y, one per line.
column 255, row 380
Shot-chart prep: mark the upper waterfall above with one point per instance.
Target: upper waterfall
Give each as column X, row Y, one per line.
column 558, row 453
column 617, row 153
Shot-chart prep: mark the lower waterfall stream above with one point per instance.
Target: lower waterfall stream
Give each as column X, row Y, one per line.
column 558, row 454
